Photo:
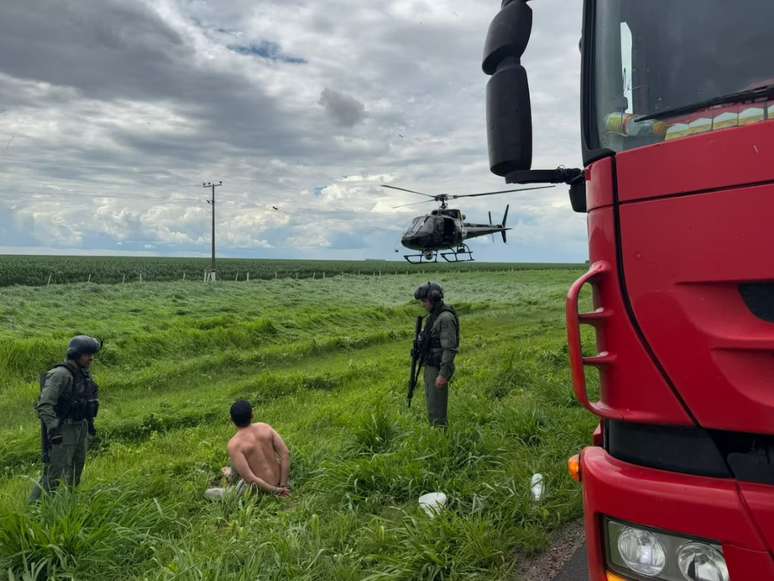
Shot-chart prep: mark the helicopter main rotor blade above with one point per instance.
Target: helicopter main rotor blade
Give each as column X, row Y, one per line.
column 405, row 190
column 454, row 197
column 414, row 203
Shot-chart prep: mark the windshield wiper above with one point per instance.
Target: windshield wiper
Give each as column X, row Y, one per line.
column 764, row 91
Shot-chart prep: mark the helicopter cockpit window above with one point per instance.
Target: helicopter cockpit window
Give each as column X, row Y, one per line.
column 416, row 225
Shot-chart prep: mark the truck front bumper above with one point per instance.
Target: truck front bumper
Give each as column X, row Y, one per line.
column 693, row 506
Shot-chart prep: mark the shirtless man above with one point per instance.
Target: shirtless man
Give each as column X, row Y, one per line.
column 257, row 453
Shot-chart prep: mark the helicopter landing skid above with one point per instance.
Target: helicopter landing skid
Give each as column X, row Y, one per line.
column 460, row 254
column 421, row 258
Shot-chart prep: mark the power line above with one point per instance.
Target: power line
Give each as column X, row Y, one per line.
column 31, row 197
column 128, row 197
column 211, row 202
column 80, row 164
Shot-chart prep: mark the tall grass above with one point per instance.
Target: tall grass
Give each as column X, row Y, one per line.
column 110, row 529
column 325, row 363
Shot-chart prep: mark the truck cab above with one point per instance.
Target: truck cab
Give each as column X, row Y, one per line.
column 678, row 187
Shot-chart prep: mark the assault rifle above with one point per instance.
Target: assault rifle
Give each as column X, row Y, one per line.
column 417, row 354
column 45, row 444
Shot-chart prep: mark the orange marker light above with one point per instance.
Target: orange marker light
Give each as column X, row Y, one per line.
column 574, row 467
column 614, row 577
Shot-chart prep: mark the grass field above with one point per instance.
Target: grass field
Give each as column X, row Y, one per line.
column 46, row 270
column 325, row 362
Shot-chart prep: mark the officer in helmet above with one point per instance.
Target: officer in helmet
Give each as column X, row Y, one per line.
column 69, row 401
column 441, row 340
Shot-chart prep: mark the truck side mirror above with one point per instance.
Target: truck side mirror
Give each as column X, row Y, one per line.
column 508, row 111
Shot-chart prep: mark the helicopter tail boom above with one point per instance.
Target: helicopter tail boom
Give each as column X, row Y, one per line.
column 475, row 230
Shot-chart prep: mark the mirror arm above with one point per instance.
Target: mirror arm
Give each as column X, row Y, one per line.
column 560, row 175
column 574, row 177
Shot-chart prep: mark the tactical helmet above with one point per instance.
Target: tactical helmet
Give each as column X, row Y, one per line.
column 81, row 345
column 431, row 291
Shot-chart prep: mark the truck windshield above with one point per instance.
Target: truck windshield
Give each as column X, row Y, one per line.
column 673, row 62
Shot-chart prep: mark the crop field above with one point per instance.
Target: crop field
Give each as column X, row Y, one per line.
column 47, row 270
column 325, row 361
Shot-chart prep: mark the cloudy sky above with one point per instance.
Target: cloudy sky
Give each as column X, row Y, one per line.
column 113, row 113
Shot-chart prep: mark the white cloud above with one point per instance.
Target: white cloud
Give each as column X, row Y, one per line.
column 116, row 114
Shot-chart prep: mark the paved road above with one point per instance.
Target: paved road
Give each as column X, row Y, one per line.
column 575, row 570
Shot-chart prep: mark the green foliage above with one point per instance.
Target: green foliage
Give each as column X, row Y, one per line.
column 376, row 433
column 325, row 362
column 110, row 529
column 44, row 270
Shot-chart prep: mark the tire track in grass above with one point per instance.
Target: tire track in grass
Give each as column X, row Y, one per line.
column 143, row 414
column 178, row 368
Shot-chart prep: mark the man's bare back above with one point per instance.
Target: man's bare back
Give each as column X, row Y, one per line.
column 261, row 458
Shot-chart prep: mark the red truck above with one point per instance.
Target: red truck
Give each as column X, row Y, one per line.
column 678, row 188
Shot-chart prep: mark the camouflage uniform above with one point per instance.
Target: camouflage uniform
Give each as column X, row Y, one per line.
column 66, row 408
column 444, row 339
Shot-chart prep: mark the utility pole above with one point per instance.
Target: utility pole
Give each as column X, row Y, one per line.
column 211, row 202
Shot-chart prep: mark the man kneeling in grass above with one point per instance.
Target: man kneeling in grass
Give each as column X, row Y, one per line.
column 258, row 455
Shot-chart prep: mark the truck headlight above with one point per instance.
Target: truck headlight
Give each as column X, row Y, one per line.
column 701, row 562
column 641, row 551
column 634, row 551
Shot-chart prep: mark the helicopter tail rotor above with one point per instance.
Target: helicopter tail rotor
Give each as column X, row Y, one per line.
column 505, row 220
column 491, row 224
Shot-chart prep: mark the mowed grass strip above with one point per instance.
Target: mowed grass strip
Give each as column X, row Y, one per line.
column 361, row 459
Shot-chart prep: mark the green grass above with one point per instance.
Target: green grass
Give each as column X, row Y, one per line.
column 46, row 270
column 325, row 362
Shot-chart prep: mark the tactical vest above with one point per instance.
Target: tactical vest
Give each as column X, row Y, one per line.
column 434, row 351
column 78, row 404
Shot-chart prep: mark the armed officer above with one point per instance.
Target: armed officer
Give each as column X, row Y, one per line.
column 69, row 401
column 440, row 341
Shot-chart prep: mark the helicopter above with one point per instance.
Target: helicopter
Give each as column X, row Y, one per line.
column 443, row 231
